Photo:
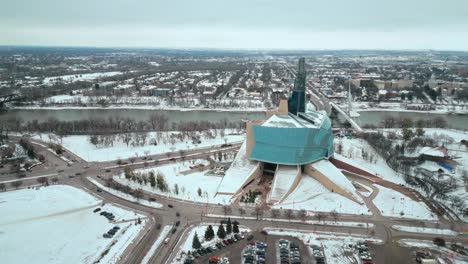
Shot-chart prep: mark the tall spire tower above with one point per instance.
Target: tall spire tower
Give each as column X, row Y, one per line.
column 296, row 102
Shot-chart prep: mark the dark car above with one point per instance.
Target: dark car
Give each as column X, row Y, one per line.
column 250, row 237
column 170, row 206
column 97, row 210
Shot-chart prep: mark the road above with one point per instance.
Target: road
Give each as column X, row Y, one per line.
column 189, row 213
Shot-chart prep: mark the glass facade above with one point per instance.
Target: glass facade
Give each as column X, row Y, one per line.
column 292, row 146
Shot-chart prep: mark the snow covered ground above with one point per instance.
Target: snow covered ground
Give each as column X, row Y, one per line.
column 401, row 107
column 335, row 245
column 184, row 246
column 455, row 257
column 425, row 230
column 78, row 77
column 352, row 154
column 81, row 146
column 312, row 196
column 56, row 224
column 148, row 102
column 394, row 204
column 125, row 196
column 450, row 138
column 188, row 184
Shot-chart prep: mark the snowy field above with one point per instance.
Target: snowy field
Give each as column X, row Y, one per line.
column 78, row 77
column 188, row 184
column 184, row 246
column 312, row 196
column 352, row 154
column 394, row 204
column 56, row 224
column 425, row 230
column 81, row 146
column 335, row 245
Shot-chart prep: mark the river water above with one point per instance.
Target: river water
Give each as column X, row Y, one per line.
column 367, row 117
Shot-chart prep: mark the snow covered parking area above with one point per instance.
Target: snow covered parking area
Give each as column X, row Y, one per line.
column 56, row 224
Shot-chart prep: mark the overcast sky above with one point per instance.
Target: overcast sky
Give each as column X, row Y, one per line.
column 262, row 24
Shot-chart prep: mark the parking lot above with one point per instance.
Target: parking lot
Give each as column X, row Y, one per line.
column 234, row 251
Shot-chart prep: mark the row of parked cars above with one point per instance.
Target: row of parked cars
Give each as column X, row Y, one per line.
column 254, row 252
column 289, row 252
column 218, row 260
column 111, row 232
column 318, row 254
column 364, row 253
column 208, row 250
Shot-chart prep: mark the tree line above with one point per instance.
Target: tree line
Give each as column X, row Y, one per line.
column 156, row 122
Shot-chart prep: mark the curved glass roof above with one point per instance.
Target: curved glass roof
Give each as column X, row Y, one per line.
column 292, row 145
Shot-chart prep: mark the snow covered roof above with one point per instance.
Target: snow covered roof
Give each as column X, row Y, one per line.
column 239, row 172
column 293, row 121
column 329, row 170
column 435, row 152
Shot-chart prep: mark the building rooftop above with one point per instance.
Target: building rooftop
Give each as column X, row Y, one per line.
column 302, row 120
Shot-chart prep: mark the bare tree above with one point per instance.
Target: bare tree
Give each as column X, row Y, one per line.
column 55, row 180
column 2, row 187
column 275, row 213
column 258, row 211
column 302, row 214
column 334, row 215
column 16, row 184
column 138, row 193
column 320, row 216
column 42, row 180
column 289, row 214
column 227, row 209
column 242, row 211
column 132, row 159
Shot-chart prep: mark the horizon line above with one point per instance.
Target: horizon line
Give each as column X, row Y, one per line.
column 227, row 49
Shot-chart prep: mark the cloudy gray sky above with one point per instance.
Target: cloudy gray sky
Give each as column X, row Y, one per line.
column 267, row 24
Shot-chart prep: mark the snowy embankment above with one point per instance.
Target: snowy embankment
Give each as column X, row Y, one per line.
column 56, row 224
column 81, row 146
column 313, row 197
column 157, row 243
column 148, row 103
column 182, row 182
column 425, row 230
column 394, row 204
column 125, row 196
column 455, row 257
column 310, row 222
column 335, row 245
column 352, row 153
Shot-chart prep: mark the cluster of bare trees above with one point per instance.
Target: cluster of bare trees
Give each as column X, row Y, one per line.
column 155, row 122
column 400, row 122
